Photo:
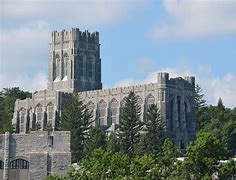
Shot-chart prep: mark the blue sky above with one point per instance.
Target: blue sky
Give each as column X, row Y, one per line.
column 138, row 39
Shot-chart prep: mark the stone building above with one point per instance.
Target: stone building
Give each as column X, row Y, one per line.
column 75, row 66
column 34, row 155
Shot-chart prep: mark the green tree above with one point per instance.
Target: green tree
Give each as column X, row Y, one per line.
column 96, row 139
column 77, row 119
column 8, row 97
column 130, row 124
column 102, row 164
column 113, row 143
column 141, row 166
column 203, row 155
column 141, row 147
column 154, row 127
column 167, row 159
column 228, row 170
column 200, row 108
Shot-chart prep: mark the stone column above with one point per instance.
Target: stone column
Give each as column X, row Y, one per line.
column 6, row 155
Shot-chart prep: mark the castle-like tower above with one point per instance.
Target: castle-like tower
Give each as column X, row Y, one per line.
column 74, row 61
column 75, row 66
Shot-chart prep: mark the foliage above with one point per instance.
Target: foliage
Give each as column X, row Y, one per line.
column 203, row 155
column 77, row 119
column 130, row 124
column 200, row 107
column 228, row 170
column 8, row 97
column 154, row 127
column 96, row 139
column 113, row 143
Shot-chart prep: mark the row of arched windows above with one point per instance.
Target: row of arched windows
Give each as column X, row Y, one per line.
column 60, row 66
column 114, row 109
column 36, row 117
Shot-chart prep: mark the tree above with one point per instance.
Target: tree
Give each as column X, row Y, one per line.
column 77, row 119
column 200, row 108
column 203, row 155
column 102, row 164
column 8, row 97
column 228, row 170
column 155, row 129
column 113, row 143
column 96, row 139
column 130, row 124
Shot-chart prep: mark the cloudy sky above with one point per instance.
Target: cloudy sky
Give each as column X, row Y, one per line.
column 138, row 39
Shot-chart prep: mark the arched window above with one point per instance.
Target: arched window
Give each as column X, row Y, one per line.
column 90, row 67
column 102, row 107
column 81, row 64
column 23, row 120
column 50, row 113
column 91, row 108
column 65, row 65
column 113, row 111
column 1, row 164
column 39, row 115
column 150, row 100
column 19, row 164
column 58, row 66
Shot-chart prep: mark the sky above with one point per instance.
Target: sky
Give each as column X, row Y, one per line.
column 138, row 38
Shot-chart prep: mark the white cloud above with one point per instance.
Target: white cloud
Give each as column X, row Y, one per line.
column 24, row 81
column 213, row 87
column 22, row 48
column 70, row 12
column 197, row 18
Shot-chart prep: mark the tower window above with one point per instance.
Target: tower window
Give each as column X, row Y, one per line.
column 1, row 164
column 50, row 112
column 19, row 164
column 90, row 66
column 81, row 66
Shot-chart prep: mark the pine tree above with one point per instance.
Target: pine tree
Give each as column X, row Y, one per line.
column 113, row 143
column 200, row 108
column 77, row 119
column 96, row 139
column 155, row 129
column 130, row 124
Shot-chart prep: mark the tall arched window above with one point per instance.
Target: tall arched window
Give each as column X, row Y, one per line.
column 23, row 119
column 150, row 100
column 50, row 113
column 81, row 65
column 102, row 107
column 91, row 108
column 113, row 111
column 58, row 67
column 19, row 164
column 65, row 65
column 90, row 67
column 1, row 164
column 39, row 115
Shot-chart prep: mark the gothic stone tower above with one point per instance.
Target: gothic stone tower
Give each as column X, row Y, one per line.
column 74, row 61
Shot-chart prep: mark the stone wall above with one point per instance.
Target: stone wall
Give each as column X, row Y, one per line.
column 34, row 155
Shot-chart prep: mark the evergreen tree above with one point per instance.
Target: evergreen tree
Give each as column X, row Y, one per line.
column 77, row 119
column 113, row 143
column 130, row 124
column 96, row 139
column 142, row 146
column 155, row 129
column 8, row 97
column 200, row 108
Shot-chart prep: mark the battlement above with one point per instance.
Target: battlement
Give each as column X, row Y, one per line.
column 74, row 34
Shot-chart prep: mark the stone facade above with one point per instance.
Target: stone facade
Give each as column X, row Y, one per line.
column 75, row 66
column 34, row 155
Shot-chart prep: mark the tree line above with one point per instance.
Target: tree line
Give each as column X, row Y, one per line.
column 140, row 149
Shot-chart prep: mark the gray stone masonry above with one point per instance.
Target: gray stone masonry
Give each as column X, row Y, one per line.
column 34, row 155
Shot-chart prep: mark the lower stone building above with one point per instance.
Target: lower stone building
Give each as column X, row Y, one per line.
column 33, row 155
